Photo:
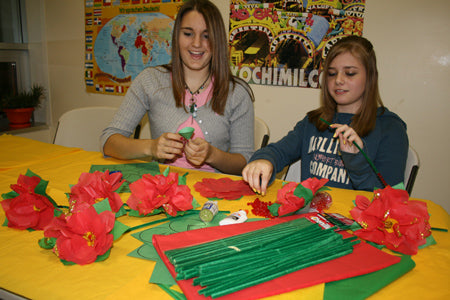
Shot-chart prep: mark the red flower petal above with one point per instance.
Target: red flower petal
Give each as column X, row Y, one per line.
column 314, row 184
column 83, row 235
column 362, row 202
column 154, row 191
column 28, row 211
column 223, row 188
column 25, row 184
column 392, row 220
column 94, row 187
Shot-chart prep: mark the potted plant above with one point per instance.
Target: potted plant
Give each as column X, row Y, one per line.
column 19, row 107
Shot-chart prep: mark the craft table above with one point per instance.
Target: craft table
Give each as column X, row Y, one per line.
column 36, row 273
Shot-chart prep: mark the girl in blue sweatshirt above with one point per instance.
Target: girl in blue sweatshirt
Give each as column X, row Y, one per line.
column 351, row 102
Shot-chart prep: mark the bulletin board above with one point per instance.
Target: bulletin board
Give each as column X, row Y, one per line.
column 122, row 38
column 284, row 43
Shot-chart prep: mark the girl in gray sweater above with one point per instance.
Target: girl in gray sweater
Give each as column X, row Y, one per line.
column 196, row 90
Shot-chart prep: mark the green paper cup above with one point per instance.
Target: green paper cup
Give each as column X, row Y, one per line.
column 186, row 132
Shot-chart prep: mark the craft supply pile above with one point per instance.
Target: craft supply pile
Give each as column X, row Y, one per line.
column 263, row 241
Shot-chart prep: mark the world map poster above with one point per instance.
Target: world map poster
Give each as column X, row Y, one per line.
column 284, row 43
column 123, row 37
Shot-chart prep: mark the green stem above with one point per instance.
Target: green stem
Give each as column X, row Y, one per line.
column 188, row 212
column 173, row 294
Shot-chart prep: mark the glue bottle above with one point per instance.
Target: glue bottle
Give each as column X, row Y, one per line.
column 235, row 218
column 209, row 210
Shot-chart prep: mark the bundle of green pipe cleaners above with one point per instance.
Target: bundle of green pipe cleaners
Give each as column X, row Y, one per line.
column 228, row 265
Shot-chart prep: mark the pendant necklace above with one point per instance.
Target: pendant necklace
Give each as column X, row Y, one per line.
column 193, row 101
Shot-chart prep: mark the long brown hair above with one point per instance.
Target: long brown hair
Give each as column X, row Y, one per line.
column 219, row 66
column 364, row 120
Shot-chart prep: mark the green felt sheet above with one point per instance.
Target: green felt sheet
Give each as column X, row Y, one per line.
column 361, row 287
column 161, row 274
column 145, row 251
column 178, row 224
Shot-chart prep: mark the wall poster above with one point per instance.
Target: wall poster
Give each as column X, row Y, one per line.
column 284, row 43
column 122, row 38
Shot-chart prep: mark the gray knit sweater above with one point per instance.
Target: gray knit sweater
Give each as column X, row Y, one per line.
column 151, row 93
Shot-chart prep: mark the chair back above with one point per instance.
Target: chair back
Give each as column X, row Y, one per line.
column 412, row 167
column 82, row 127
column 293, row 172
column 143, row 129
column 262, row 133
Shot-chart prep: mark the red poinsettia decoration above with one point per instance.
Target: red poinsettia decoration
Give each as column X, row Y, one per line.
column 83, row 235
column 293, row 197
column 391, row 219
column 94, row 187
column 289, row 202
column 28, row 206
column 154, row 193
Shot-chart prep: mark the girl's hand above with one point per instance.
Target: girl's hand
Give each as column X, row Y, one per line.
column 257, row 174
column 347, row 135
column 197, row 151
column 167, row 146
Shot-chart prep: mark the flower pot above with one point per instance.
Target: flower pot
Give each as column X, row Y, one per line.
column 19, row 117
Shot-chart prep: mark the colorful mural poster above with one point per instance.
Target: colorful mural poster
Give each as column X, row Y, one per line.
column 122, row 38
column 283, row 43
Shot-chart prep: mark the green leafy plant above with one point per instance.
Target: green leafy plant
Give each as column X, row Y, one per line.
column 24, row 99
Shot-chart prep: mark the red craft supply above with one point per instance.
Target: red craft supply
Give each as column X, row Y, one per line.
column 223, row 188
column 260, row 208
column 321, row 201
column 354, row 264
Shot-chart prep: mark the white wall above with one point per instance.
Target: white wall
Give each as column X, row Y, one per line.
column 411, row 39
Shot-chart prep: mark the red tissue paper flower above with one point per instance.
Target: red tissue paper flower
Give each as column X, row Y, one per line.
column 223, row 188
column 83, row 235
column 153, row 193
column 293, row 197
column 27, row 206
column 392, row 220
column 94, row 187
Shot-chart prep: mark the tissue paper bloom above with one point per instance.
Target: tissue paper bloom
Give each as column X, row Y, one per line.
column 94, row 187
column 391, row 219
column 26, row 209
column 82, row 235
column 289, row 202
column 293, row 196
column 25, row 184
column 153, row 192
column 314, row 184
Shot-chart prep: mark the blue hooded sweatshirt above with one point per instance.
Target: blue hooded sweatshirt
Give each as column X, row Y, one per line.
column 386, row 145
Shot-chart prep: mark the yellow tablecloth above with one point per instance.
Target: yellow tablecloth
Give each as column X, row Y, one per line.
column 33, row 272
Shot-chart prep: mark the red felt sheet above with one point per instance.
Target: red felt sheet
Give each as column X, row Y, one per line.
column 364, row 259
